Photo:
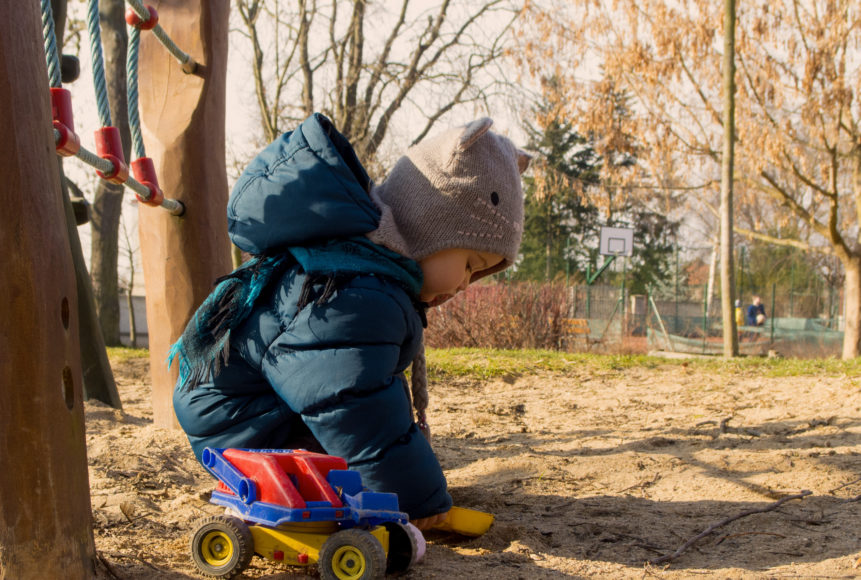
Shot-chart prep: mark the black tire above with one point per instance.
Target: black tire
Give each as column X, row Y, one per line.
column 352, row 555
column 403, row 549
column 222, row 546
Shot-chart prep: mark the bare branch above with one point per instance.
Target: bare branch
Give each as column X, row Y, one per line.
column 713, row 527
column 752, row 235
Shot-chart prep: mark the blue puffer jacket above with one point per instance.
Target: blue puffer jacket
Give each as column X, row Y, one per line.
column 324, row 346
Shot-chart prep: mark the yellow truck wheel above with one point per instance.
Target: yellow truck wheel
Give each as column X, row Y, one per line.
column 352, row 555
column 222, row 546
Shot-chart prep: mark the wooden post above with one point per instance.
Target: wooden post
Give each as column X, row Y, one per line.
column 183, row 117
column 45, row 518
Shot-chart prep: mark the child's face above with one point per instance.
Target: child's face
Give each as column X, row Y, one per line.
column 449, row 271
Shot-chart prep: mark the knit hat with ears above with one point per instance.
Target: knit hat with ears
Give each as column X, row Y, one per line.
column 460, row 189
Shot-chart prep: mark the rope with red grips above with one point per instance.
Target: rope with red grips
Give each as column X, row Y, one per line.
column 105, row 166
column 109, row 161
column 143, row 167
column 146, row 18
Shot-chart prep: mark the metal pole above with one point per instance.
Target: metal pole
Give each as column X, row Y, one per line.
column 773, row 296
column 676, row 320
column 791, row 292
column 705, row 316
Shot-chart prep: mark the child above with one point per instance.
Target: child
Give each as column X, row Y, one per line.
column 756, row 312
column 305, row 345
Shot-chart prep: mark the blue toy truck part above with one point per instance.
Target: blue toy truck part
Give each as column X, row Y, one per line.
column 347, row 502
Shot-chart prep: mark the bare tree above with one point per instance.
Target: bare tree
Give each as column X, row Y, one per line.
column 362, row 62
column 131, row 251
column 108, row 201
column 798, row 148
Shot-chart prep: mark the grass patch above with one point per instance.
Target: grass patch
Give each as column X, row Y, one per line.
column 477, row 363
column 121, row 354
column 481, row 364
column 781, row 367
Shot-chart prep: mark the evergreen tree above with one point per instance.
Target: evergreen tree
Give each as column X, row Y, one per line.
column 559, row 224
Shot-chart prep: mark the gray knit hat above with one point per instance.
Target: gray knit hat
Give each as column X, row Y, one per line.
column 460, row 189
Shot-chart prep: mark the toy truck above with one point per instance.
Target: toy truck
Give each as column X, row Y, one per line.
column 300, row 508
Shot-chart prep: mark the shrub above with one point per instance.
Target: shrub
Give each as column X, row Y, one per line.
column 497, row 315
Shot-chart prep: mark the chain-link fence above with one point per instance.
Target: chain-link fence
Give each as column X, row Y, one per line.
column 796, row 324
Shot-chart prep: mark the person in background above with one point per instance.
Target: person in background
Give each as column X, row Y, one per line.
column 739, row 314
column 756, row 313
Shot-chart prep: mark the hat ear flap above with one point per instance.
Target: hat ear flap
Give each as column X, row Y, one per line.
column 523, row 159
column 473, row 131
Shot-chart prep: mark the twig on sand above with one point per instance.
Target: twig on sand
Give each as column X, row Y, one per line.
column 138, row 558
column 730, row 536
column 844, row 485
column 713, row 527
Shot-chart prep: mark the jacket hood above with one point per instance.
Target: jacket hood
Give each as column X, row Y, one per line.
column 304, row 188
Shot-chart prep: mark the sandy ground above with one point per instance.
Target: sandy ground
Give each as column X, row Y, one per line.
column 589, row 474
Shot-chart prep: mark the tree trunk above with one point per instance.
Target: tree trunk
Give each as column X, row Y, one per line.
column 133, row 330
column 108, row 202
column 184, row 114
column 99, row 380
column 45, row 518
column 852, row 313
column 730, row 333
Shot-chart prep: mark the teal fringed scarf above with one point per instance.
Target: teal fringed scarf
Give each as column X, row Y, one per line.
column 204, row 346
column 205, row 343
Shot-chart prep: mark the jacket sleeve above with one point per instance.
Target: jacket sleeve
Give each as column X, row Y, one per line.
column 337, row 365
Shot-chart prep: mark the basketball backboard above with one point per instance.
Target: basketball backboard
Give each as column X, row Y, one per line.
column 617, row 241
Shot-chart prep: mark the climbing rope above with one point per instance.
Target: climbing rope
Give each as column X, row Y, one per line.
column 51, row 44
column 148, row 18
column 98, row 61
column 109, row 160
column 132, row 98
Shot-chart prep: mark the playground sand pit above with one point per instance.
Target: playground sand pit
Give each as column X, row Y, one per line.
column 590, row 474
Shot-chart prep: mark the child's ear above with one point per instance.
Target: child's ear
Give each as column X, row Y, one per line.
column 473, row 131
column 523, row 159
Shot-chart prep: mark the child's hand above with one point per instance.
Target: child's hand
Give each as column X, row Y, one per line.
column 429, row 522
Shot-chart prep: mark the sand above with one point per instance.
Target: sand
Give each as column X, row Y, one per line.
column 590, row 474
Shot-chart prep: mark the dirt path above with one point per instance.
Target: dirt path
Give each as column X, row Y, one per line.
column 589, row 475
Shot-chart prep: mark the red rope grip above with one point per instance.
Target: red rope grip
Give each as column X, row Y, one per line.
column 133, row 19
column 109, row 147
column 61, row 109
column 144, row 171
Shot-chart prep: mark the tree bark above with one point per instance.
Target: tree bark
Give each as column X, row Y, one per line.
column 730, row 333
column 108, row 201
column 45, row 518
column 184, row 117
column 852, row 311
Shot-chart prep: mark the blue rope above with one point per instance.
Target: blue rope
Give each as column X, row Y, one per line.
column 132, row 81
column 51, row 56
column 188, row 64
column 98, row 63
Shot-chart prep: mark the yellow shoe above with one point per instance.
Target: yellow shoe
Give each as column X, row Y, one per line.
column 466, row 522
